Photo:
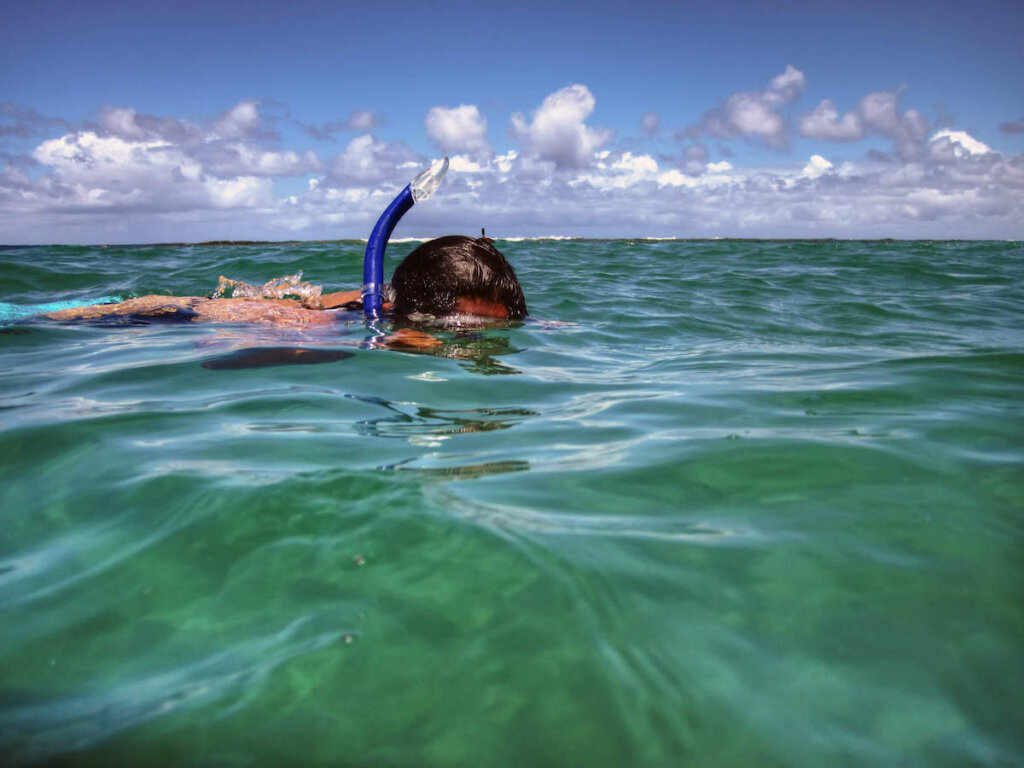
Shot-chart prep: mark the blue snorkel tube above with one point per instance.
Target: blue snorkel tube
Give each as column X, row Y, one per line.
column 418, row 190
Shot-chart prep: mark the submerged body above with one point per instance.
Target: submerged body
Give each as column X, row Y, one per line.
column 449, row 283
column 444, row 279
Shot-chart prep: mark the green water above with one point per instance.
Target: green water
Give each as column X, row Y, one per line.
column 759, row 504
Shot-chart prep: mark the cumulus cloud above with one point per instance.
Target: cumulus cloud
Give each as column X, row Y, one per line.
column 877, row 113
column 230, row 159
column 558, row 132
column 642, row 174
column 763, row 117
column 132, row 167
column 123, row 122
column 816, row 166
column 625, row 170
column 787, row 86
column 127, row 123
column 231, row 145
column 755, row 115
column 880, row 112
column 361, row 120
column 367, row 160
column 824, row 123
column 466, row 164
column 240, row 121
column 107, row 172
column 459, row 130
column 948, row 145
column 168, row 178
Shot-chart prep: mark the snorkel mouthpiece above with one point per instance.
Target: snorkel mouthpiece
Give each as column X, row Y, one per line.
column 418, row 190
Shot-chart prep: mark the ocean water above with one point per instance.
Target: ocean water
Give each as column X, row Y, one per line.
column 730, row 503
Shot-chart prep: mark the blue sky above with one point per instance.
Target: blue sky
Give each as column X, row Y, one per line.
column 137, row 122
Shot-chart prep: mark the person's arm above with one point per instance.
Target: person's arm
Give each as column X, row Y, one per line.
column 339, row 298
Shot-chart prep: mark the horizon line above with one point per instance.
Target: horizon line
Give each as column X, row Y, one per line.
column 514, row 239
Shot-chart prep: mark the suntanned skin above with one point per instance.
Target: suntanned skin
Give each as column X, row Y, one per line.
column 339, row 298
column 277, row 312
column 480, row 307
column 263, row 311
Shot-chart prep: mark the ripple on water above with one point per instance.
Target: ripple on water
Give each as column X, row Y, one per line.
column 773, row 485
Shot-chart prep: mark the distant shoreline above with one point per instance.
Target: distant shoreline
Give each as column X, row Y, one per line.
column 550, row 238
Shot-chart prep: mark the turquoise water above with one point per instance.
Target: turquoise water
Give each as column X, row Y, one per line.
column 761, row 507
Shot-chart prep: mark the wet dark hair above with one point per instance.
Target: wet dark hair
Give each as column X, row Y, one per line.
column 437, row 274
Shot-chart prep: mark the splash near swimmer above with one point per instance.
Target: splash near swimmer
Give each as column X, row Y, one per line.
column 418, row 190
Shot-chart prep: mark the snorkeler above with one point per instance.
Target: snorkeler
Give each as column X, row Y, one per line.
column 444, row 282
column 441, row 283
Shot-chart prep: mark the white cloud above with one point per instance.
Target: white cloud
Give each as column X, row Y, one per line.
column 762, row 116
column 121, row 121
column 558, row 132
column 239, row 159
column 948, row 144
column 625, row 171
column 880, row 112
column 816, row 166
column 636, row 164
column 242, row 192
column 459, row 130
column 465, row 164
column 877, row 113
column 717, row 175
column 755, row 114
column 362, row 120
column 787, row 86
column 241, row 120
column 369, row 161
column 13, row 178
column 127, row 123
column 135, row 177
column 107, row 172
column 673, row 178
column 824, row 123
column 504, row 162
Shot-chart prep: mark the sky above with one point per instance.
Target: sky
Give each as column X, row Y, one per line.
column 185, row 121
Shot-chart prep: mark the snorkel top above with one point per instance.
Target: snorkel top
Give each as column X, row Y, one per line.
column 418, row 190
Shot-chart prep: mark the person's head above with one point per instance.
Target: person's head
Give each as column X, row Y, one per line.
column 457, row 275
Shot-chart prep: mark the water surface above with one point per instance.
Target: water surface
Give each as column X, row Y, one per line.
column 757, row 503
